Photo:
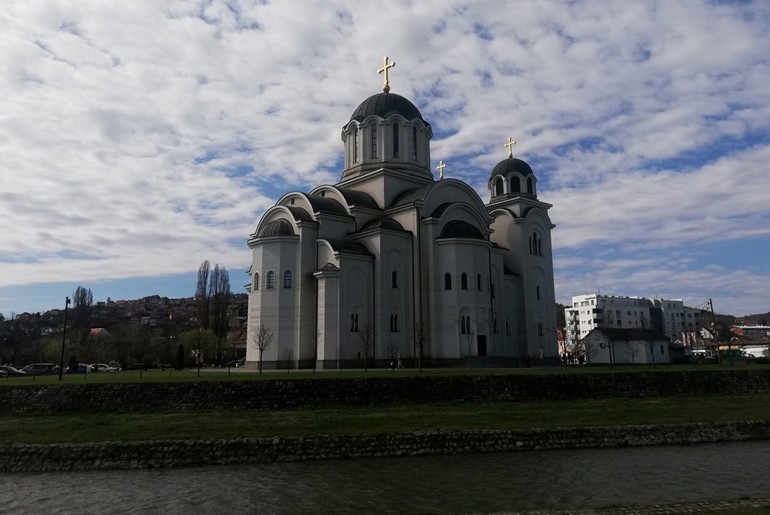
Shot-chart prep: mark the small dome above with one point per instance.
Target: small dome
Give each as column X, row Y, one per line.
column 278, row 227
column 383, row 223
column 385, row 105
column 509, row 165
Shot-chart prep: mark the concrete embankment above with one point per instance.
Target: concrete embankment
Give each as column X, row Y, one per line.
column 185, row 453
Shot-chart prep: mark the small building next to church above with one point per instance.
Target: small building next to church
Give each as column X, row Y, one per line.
column 391, row 260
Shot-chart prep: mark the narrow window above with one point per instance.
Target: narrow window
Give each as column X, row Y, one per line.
column 447, row 281
column 354, row 322
column 515, row 185
column 464, row 281
column 394, row 323
column 287, row 279
column 499, row 187
column 529, row 185
column 355, row 144
column 396, row 146
column 374, row 140
column 270, row 280
column 256, row 281
column 537, row 292
column 414, row 143
column 507, row 328
column 540, row 328
column 539, row 247
column 394, row 279
column 479, row 286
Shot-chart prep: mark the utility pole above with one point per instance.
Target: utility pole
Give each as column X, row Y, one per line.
column 716, row 331
column 63, row 338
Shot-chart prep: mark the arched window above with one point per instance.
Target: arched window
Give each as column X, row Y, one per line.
column 499, row 187
column 270, row 280
column 396, row 144
column 354, row 322
column 256, row 281
column 479, row 284
column 465, row 324
column 394, row 279
column 414, row 143
column 529, row 185
column 374, row 140
column 447, row 281
column 515, row 185
column 394, row 323
column 464, row 281
column 287, row 279
column 537, row 292
column 507, row 328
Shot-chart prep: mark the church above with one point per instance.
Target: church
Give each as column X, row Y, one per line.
column 393, row 262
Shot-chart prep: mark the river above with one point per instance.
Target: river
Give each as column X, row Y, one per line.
column 561, row 479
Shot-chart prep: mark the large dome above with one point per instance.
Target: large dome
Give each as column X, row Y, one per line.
column 384, row 105
column 509, row 165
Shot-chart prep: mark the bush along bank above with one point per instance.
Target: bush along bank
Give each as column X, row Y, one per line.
column 186, row 453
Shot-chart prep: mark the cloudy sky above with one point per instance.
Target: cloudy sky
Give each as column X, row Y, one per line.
column 139, row 138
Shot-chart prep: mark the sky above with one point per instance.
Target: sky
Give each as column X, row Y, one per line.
column 139, row 138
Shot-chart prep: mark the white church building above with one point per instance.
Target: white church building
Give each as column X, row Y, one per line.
column 390, row 257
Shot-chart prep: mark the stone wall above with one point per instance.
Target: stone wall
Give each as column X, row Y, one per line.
column 182, row 453
column 328, row 391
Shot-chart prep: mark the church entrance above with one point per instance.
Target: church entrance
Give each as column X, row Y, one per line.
column 482, row 345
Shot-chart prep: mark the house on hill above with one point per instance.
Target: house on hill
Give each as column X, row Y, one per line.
column 626, row 346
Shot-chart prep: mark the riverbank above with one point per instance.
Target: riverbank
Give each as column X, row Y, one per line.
column 186, row 453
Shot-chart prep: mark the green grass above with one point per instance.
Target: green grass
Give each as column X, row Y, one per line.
column 134, row 376
column 229, row 424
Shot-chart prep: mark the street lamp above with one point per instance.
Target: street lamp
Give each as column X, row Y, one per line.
column 63, row 338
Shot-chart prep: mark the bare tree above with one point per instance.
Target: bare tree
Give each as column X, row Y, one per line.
column 287, row 356
column 203, row 295
column 647, row 324
column 633, row 351
column 262, row 338
column 469, row 340
column 420, row 336
column 366, row 340
column 82, row 305
column 219, row 291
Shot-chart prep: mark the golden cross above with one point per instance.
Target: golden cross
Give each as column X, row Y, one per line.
column 440, row 169
column 510, row 143
column 384, row 69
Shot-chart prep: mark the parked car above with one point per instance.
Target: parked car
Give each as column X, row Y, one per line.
column 9, row 371
column 236, row 362
column 82, row 368
column 39, row 369
column 103, row 367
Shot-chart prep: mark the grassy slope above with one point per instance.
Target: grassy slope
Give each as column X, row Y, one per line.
column 228, row 424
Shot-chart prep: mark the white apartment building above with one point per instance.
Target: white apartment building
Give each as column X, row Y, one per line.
column 667, row 316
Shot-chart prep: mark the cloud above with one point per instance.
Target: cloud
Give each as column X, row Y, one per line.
column 150, row 136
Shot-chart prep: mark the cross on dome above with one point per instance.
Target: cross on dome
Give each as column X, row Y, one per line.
column 384, row 70
column 510, row 143
column 440, row 169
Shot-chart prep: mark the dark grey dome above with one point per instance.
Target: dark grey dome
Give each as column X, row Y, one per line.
column 383, row 223
column 460, row 229
column 278, row 227
column 509, row 165
column 385, row 105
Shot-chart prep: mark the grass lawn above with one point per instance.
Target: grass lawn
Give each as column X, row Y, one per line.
column 458, row 415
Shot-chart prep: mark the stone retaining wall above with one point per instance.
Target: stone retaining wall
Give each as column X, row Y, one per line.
column 328, row 391
column 184, row 453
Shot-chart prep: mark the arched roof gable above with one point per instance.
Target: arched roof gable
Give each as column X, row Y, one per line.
column 453, row 190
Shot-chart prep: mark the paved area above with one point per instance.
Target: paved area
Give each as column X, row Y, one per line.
column 663, row 509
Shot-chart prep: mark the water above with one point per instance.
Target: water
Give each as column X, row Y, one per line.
column 443, row 484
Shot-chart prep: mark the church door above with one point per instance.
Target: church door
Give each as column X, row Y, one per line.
column 482, row 344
